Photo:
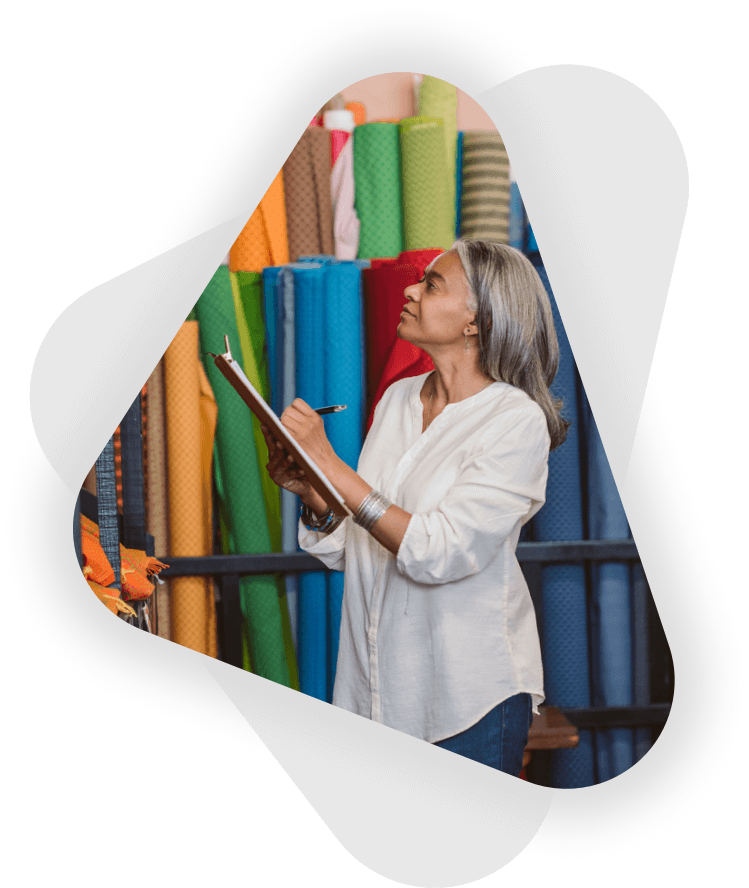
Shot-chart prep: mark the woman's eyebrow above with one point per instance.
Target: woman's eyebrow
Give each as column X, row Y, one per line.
column 433, row 275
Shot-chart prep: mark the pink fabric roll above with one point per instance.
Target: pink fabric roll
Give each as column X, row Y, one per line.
column 345, row 221
column 338, row 139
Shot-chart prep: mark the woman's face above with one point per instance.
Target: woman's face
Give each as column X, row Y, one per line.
column 436, row 314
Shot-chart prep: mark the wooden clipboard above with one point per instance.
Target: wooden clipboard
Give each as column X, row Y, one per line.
column 252, row 398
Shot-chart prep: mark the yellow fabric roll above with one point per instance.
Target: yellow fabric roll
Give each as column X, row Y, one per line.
column 263, row 240
column 190, row 430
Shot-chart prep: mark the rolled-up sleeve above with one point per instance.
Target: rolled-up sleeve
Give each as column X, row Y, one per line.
column 499, row 484
column 330, row 548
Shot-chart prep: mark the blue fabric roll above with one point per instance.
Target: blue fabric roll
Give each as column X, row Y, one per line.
column 565, row 621
column 309, row 317
column 517, row 218
column 273, row 333
column 611, row 611
column 458, row 182
column 344, row 384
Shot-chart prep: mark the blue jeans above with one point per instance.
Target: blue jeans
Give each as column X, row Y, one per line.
column 499, row 738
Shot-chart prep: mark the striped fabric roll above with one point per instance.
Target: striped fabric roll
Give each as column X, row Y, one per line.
column 485, row 197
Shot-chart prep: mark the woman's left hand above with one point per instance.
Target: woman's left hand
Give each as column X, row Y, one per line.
column 308, row 430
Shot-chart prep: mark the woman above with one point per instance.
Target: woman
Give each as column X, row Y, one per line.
column 438, row 634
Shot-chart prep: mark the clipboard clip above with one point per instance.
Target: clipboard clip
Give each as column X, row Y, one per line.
column 226, row 355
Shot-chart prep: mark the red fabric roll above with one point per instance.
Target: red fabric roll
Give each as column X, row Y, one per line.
column 388, row 357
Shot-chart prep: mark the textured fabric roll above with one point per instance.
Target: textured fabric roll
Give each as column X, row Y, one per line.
column 517, row 223
column 390, row 358
column 263, row 240
column 190, row 425
column 344, row 366
column 359, row 112
column 157, row 520
column 310, row 318
column 242, row 487
column 377, row 200
column 428, row 196
column 485, row 197
column 309, row 208
column 248, row 309
column 273, row 325
column 458, row 182
column 565, row 622
column 611, row 608
column 345, row 221
column 338, row 140
column 439, row 99
column 106, row 500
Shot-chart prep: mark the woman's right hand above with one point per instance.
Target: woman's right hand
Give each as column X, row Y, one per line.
column 283, row 470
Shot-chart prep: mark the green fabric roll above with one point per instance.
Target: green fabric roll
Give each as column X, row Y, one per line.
column 248, row 305
column 439, row 99
column 242, row 487
column 377, row 189
column 428, row 202
column 251, row 325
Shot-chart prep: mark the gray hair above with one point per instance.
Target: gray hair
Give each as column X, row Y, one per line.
column 516, row 336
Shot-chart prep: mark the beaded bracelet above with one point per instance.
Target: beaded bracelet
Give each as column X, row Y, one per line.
column 325, row 524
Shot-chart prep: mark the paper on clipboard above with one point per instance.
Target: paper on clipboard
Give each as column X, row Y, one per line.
column 252, row 398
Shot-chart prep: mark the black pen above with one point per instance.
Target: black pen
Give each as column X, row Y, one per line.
column 336, row 408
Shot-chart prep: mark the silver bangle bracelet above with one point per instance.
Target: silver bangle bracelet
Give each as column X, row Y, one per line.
column 371, row 510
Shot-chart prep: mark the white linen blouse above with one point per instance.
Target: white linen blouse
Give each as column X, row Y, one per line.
column 433, row 639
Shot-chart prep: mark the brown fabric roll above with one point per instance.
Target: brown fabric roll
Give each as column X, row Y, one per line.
column 309, row 207
column 485, row 193
column 157, row 520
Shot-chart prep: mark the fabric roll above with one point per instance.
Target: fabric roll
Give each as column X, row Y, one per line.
column 516, row 222
column 286, row 374
column 565, row 623
column 428, row 188
column 273, row 325
column 377, row 198
column 309, row 208
column 485, row 198
column 106, row 501
column 343, row 384
column 346, row 224
column 133, row 484
column 263, row 240
column 390, row 358
column 458, row 182
column 310, row 318
column 190, row 425
column 248, row 308
column 242, row 487
column 439, row 99
column 359, row 112
column 611, row 608
column 157, row 520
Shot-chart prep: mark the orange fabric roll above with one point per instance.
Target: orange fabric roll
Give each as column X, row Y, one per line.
column 190, row 430
column 359, row 112
column 263, row 241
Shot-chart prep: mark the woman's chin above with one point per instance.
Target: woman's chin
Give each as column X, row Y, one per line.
column 401, row 333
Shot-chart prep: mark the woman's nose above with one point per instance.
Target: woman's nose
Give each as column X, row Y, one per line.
column 411, row 293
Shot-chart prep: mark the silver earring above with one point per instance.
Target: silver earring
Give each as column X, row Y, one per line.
column 466, row 347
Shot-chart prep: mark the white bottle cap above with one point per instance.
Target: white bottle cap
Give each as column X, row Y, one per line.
column 339, row 120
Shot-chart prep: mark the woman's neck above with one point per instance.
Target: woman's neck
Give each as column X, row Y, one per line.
column 457, row 377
